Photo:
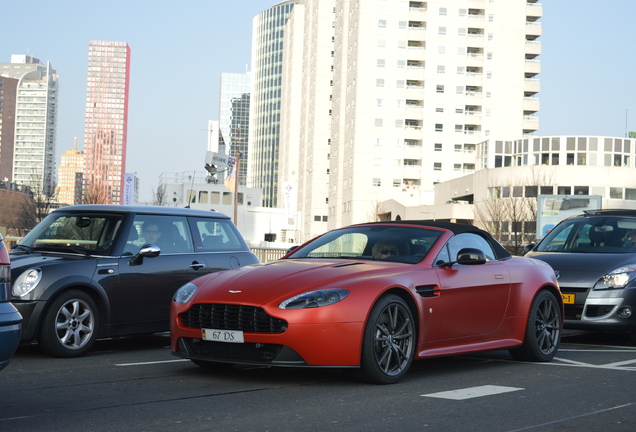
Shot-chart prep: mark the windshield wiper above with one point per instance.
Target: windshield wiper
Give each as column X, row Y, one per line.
column 27, row 249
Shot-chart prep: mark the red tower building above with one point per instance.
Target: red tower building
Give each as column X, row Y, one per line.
column 106, row 124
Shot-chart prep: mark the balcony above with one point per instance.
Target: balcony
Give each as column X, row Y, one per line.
column 533, row 29
column 533, row 48
column 530, row 123
column 532, row 67
column 532, row 85
column 534, row 10
column 531, row 104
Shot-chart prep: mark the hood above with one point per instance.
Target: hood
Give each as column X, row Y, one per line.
column 261, row 283
column 584, row 268
column 22, row 261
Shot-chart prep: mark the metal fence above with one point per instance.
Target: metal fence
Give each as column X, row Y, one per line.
column 268, row 254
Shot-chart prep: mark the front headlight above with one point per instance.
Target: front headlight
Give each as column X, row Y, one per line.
column 618, row 278
column 26, row 282
column 315, row 299
column 185, row 293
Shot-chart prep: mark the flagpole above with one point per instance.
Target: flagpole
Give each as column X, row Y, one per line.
column 236, row 167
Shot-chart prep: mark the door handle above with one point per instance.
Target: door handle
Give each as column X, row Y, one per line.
column 196, row 266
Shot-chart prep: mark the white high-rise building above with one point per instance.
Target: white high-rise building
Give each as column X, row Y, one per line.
column 416, row 85
column 35, row 117
column 265, row 104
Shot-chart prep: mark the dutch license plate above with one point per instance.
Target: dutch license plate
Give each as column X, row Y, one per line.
column 568, row 298
column 229, row 336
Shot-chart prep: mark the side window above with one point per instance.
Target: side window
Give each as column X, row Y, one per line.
column 469, row 240
column 170, row 233
column 216, row 235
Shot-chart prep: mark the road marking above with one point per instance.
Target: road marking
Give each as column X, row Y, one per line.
column 149, row 363
column 472, row 392
column 617, row 366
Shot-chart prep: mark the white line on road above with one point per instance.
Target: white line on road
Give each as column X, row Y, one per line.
column 472, row 392
column 149, row 363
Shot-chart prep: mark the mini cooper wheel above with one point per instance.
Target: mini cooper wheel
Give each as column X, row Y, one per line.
column 388, row 345
column 543, row 331
column 69, row 326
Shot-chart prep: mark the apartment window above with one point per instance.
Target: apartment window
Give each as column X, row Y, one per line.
column 400, row 83
column 443, row 11
column 441, row 50
column 379, row 122
column 491, row 18
column 401, row 64
column 379, row 82
column 379, row 102
column 489, row 56
column 399, row 123
column 440, row 88
column 459, row 90
column 441, row 69
column 402, row 44
column 437, row 166
column 381, row 43
column 461, row 70
column 382, row 23
column 458, row 148
column 438, row 147
column 461, row 51
column 459, row 110
column 462, row 12
column 461, row 31
column 381, row 63
column 616, row 193
column 441, row 31
column 402, row 25
column 377, row 182
column 439, row 127
column 439, row 109
column 397, row 182
column 457, row 167
column 459, row 128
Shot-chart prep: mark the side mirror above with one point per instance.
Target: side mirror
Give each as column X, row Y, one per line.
column 146, row 251
column 528, row 248
column 470, row 256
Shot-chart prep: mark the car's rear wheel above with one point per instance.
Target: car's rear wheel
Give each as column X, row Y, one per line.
column 69, row 326
column 388, row 345
column 543, row 332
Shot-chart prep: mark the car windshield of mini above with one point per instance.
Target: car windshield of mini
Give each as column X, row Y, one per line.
column 600, row 234
column 73, row 232
column 372, row 242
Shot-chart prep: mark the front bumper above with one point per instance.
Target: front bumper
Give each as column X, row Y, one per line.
column 10, row 330
column 600, row 310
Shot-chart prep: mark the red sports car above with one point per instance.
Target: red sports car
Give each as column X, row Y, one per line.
column 374, row 297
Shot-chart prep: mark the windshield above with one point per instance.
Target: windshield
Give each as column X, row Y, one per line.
column 376, row 242
column 71, row 232
column 592, row 235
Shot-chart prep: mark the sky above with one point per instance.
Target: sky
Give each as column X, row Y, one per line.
column 179, row 50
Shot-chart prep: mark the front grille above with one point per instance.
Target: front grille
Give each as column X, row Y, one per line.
column 249, row 319
column 573, row 312
column 598, row 311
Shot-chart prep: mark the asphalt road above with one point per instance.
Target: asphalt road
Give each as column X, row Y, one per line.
column 135, row 384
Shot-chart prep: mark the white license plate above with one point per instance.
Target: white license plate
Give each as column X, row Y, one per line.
column 230, row 336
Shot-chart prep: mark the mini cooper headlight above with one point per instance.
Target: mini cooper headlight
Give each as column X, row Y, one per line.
column 315, row 299
column 618, row 278
column 185, row 293
column 26, row 282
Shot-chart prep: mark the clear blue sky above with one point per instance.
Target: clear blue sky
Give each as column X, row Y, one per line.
column 179, row 50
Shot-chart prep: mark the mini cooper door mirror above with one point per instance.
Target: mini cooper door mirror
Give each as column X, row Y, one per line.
column 147, row 251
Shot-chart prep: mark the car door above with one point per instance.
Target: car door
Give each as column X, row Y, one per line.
column 142, row 298
column 472, row 298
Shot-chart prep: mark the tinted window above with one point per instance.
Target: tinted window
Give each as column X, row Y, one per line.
column 217, row 235
column 170, row 233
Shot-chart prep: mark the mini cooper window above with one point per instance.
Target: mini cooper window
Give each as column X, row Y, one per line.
column 85, row 233
column 170, row 233
column 217, row 235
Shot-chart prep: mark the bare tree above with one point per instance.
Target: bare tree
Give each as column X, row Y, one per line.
column 95, row 195
column 377, row 213
column 159, row 196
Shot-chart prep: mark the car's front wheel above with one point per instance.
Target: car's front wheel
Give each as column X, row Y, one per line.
column 69, row 326
column 543, row 331
column 389, row 341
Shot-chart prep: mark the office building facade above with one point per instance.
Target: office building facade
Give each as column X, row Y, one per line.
column 32, row 152
column 265, row 105
column 106, row 124
column 71, row 176
column 234, row 116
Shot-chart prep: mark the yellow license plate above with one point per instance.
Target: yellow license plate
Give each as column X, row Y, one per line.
column 568, row 298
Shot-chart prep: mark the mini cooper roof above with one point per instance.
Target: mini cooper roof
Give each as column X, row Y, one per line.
column 155, row 210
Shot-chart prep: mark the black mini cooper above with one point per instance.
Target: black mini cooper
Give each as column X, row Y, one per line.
column 94, row 271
